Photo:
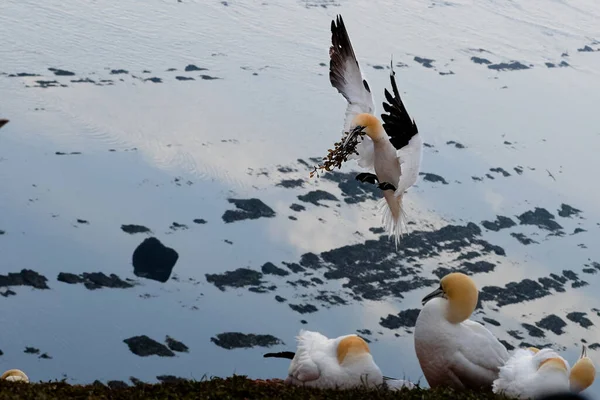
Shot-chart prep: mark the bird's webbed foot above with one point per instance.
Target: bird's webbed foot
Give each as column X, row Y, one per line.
column 367, row 177
column 386, row 186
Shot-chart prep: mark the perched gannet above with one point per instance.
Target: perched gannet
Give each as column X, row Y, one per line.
column 14, row 375
column 532, row 373
column 393, row 150
column 341, row 363
column 3, row 122
column 453, row 350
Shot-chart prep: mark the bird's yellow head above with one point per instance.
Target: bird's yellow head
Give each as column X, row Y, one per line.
column 583, row 373
column 462, row 295
column 364, row 124
column 350, row 347
column 15, row 375
column 534, row 350
column 555, row 363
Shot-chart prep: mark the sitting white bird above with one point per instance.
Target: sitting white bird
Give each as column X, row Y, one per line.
column 393, row 150
column 3, row 122
column 341, row 363
column 533, row 373
column 14, row 375
column 454, row 351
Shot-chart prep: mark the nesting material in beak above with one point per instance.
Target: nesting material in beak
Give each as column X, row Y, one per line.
column 339, row 154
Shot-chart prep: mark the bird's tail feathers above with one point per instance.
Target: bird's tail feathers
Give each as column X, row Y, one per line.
column 393, row 216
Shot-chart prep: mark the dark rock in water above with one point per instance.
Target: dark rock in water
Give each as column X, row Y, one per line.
column 131, row 229
column 512, row 66
column 94, row 280
column 315, row 196
column 566, row 211
column 516, row 334
column 295, row 268
column 501, row 222
column 513, row 292
column 479, row 60
column 83, row 80
column 117, row 384
column 153, row 79
column 247, row 209
column 500, row 171
column 533, row 331
column 176, row 345
column 184, row 78
column 153, row 260
column 238, row 278
column 118, row 71
column 541, row 218
column 578, row 230
column 518, row 170
column 22, row 75
column 377, row 230
column 303, row 308
column 585, row 48
column 310, row 260
column 292, row 218
column 432, row 177
column 491, row 321
column 209, row 78
column 61, row 72
column 353, row 191
column 176, row 226
column 522, row 238
column 426, row 62
column 378, row 67
column 580, row 318
column 170, row 379
column 468, row 255
column 405, row 318
column 1, row 353
column 271, row 269
column 61, row 153
column 456, row 144
column 467, row 268
column 47, row 84
column 291, row 183
column 297, row 207
column 7, row 293
column 199, row 221
column 82, row 221
column 280, row 299
column 552, row 323
column 192, row 67
column 45, row 356
column 237, row 340
column 143, row 346
column 594, row 346
column 508, row 346
column 328, row 299
column 31, row 350
column 26, row 277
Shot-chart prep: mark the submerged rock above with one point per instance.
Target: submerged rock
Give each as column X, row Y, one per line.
column 533, row 331
column 512, row 66
column 433, row 178
column 405, row 318
column 352, row 190
column 238, row 278
column 176, row 345
column 467, row 268
column 566, row 211
column 522, row 238
column 315, row 196
column 303, row 308
column 247, row 209
column 580, row 318
column 552, row 323
column 480, row 60
column 291, row 183
column 143, row 346
column 153, row 260
column 501, row 222
column 238, row 340
column 94, row 280
column 61, row 72
column 132, row 228
column 26, row 277
column 271, row 269
column 426, row 62
column 541, row 218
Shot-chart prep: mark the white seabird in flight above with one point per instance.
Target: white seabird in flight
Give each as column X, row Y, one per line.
column 341, row 363
column 392, row 149
column 533, row 373
column 454, row 351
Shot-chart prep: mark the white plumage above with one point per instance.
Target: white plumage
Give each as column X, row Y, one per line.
column 14, row 375
column 392, row 149
column 453, row 350
column 342, row 363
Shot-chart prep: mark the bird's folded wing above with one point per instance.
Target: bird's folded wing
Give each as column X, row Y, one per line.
column 303, row 367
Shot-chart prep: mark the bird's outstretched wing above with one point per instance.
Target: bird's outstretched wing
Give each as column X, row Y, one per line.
column 403, row 134
column 346, row 77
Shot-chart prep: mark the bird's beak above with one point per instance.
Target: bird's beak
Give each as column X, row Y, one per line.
column 357, row 130
column 3, row 122
column 583, row 351
column 439, row 292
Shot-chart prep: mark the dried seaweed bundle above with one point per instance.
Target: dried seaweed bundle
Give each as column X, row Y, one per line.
column 338, row 155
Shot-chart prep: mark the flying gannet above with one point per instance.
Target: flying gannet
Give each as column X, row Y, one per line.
column 14, row 375
column 341, row 363
column 533, row 373
column 3, row 122
column 392, row 149
column 452, row 350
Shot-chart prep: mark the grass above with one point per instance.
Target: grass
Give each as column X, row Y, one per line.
column 235, row 387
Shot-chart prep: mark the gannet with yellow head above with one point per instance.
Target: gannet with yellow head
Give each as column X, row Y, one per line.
column 341, row 363
column 452, row 350
column 14, row 375
column 533, row 373
column 391, row 149
column 3, row 122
